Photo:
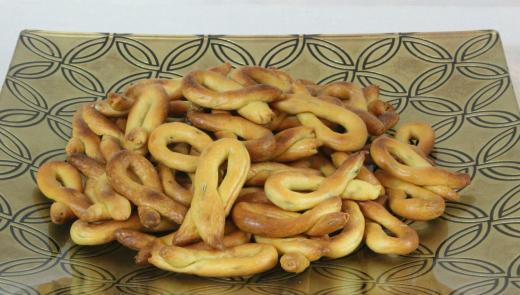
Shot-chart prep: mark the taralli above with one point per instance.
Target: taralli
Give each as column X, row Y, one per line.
column 282, row 188
column 230, row 171
column 259, row 141
column 259, row 172
column 242, row 260
column 295, row 143
column 62, row 183
column 213, row 90
column 177, row 132
column 249, row 76
column 308, row 109
column 107, row 203
column 171, row 187
column 342, row 244
column 84, row 140
column 84, row 233
column 421, row 133
column 212, row 202
column 404, row 239
column 271, row 221
column 386, row 152
column 148, row 112
column 149, row 193
column 144, row 242
column 409, row 200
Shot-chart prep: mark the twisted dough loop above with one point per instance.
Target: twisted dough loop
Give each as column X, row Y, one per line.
column 83, row 139
column 177, row 132
column 213, row 90
column 107, row 203
column 342, row 244
column 212, row 202
column 62, row 183
column 295, row 143
column 421, row 132
column 384, row 151
column 149, row 193
column 148, row 112
column 411, row 201
column 270, row 221
column 405, row 239
column 259, row 172
column 281, row 188
column 259, row 141
column 251, row 75
column 242, row 260
column 308, row 108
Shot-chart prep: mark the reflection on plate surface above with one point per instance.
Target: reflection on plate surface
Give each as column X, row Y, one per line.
column 457, row 81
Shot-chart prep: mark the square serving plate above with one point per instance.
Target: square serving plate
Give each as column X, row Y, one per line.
column 457, row 81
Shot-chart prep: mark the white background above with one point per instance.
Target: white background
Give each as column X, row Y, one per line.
column 261, row 17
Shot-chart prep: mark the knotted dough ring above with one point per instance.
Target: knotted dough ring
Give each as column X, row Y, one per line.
column 295, row 143
column 83, row 139
column 147, row 196
column 107, row 203
column 309, row 109
column 409, row 200
column 242, row 260
column 298, row 251
column 259, row 172
column 85, row 233
column 404, row 240
column 148, row 112
column 62, row 183
column 386, row 151
column 253, row 75
column 212, row 202
column 270, row 221
column 259, row 141
column 213, row 90
column 421, row 132
column 177, row 132
column 282, row 188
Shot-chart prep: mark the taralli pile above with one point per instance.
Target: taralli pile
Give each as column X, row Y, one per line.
column 227, row 172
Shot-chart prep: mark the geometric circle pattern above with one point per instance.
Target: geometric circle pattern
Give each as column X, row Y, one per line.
column 456, row 81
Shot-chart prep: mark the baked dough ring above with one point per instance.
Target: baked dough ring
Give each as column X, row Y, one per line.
column 149, row 193
column 212, row 202
column 143, row 243
column 148, row 112
column 384, row 151
column 259, row 141
column 308, row 109
column 342, row 244
column 295, row 143
column 421, row 132
column 107, row 203
column 83, row 140
column 281, row 188
column 177, row 132
column 242, row 260
column 409, row 200
column 351, row 94
column 270, row 221
column 259, row 172
column 213, row 90
column 62, row 183
column 171, row 187
column 84, row 233
column 404, row 239
column 253, row 75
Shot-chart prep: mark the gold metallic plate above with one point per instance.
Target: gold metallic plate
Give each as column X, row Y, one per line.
column 457, row 81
